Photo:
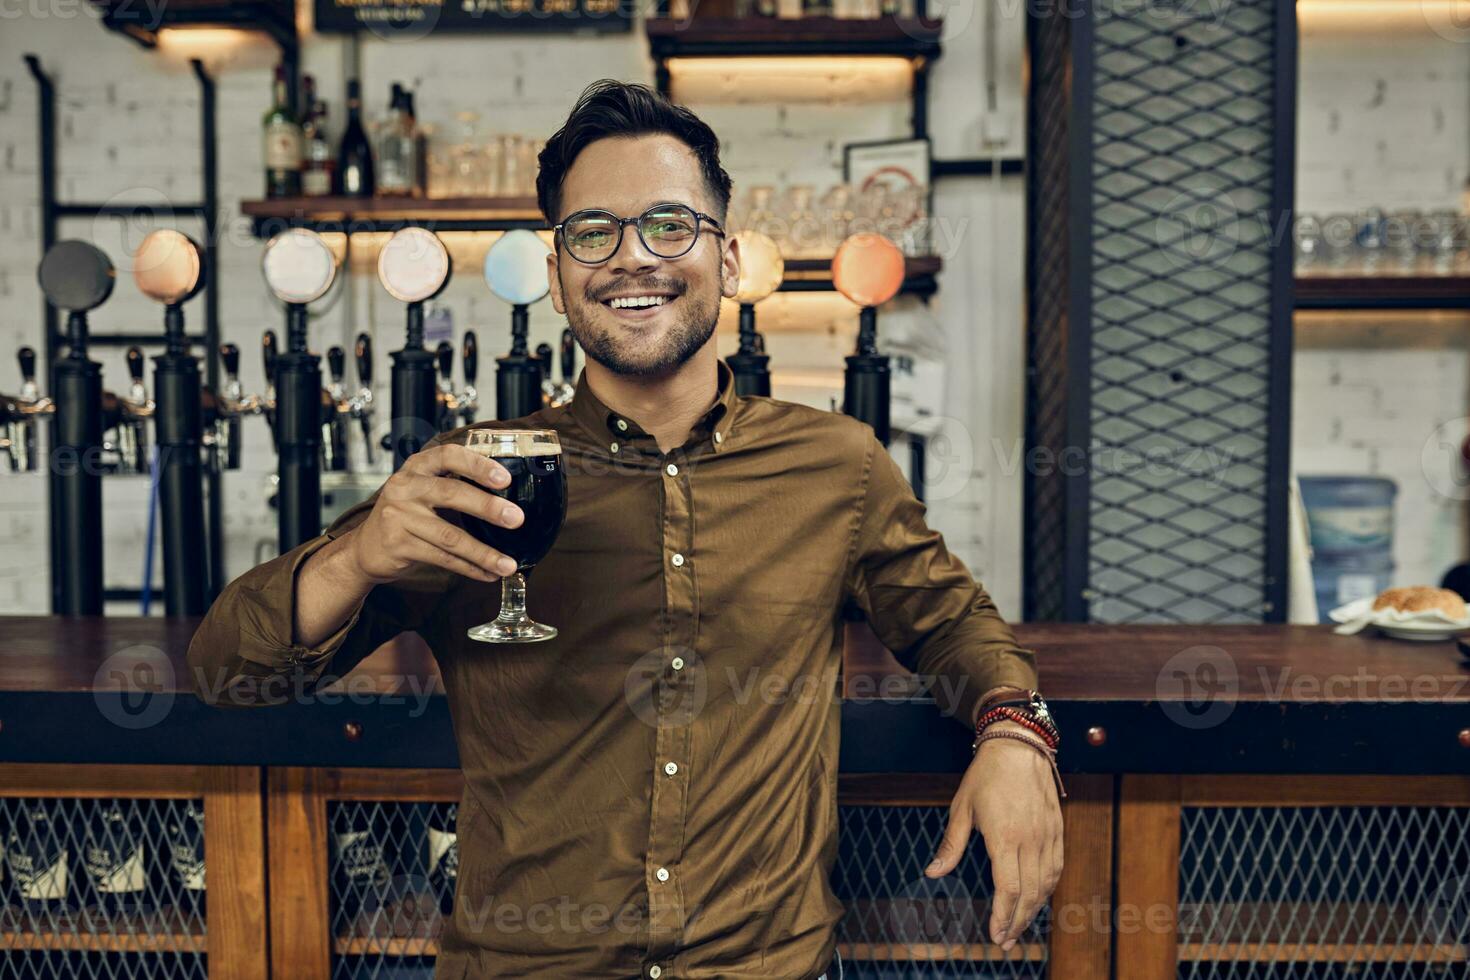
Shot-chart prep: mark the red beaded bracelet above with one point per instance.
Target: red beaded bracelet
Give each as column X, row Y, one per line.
column 1020, row 717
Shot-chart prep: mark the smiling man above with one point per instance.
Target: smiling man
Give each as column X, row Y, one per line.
column 652, row 792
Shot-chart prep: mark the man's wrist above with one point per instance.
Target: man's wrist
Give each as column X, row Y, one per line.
column 337, row 567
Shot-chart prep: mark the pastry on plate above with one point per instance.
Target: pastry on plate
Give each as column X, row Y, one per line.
column 1422, row 598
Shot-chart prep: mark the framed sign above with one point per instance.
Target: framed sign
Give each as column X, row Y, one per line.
column 404, row 20
column 897, row 171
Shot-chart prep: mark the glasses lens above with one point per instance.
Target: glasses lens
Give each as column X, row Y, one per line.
column 590, row 236
column 669, row 231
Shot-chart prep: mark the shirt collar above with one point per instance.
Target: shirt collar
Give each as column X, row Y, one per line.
column 605, row 425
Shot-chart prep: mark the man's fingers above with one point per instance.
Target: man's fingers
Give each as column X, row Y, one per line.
column 1005, row 871
column 459, row 460
column 444, row 536
column 460, row 496
column 426, row 554
column 952, row 845
column 1029, row 859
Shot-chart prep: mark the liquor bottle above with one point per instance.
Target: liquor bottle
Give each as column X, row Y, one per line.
column 316, row 175
column 37, row 860
column 282, row 144
column 115, row 857
column 442, row 860
column 355, row 176
column 396, row 150
column 185, row 875
column 362, row 872
column 420, row 148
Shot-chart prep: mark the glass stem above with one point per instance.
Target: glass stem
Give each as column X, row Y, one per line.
column 512, row 599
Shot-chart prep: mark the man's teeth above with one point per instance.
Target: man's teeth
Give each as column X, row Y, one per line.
column 633, row 302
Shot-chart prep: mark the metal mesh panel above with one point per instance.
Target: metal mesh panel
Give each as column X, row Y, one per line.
column 1046, row 338
column 1183, row 157
column 1319, row 893
column 102, row 888
column 391, row 886
column 393, row 870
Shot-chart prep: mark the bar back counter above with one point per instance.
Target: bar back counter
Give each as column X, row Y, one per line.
column 1244, row 803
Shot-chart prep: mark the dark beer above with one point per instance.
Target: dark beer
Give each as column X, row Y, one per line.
column 538, row 488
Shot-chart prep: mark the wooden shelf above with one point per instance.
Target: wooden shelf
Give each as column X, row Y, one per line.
column 399, row 946
column 1383, row 292
column 77, row 940
column 704, row 37
column 1282, row 932
column 369, row 214
column 815, row 275
column 1301, row 952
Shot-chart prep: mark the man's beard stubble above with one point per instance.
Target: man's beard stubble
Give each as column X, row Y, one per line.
column 609, row 347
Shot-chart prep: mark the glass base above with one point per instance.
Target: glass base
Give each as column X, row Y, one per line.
column 521, row 632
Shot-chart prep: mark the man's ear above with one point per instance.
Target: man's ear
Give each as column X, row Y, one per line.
column 730, row 268
column 553, row 279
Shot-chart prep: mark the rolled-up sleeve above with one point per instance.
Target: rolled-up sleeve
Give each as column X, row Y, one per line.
column 245, row 651
column 922, row 601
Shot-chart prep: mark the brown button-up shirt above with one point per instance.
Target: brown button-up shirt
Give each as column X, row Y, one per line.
column 666, row 766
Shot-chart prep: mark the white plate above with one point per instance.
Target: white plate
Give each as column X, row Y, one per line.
column 1428, row 632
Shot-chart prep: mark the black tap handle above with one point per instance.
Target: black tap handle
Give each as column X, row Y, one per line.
column 229, row 355
column 135, row 364
column 337, row 363
column 568, row 354
column 445, row 355
column 543, row 354
column 27, row 357
column 268, row 349
column 363, row 350
column 471, row 357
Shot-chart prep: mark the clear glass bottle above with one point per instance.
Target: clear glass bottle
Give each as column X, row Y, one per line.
column 397, row 149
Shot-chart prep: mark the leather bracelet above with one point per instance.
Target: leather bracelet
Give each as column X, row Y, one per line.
column 1005, row 693
column 1050, row 754
column 1045, row 732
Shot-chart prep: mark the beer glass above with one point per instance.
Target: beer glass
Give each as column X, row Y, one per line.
column 538, row 487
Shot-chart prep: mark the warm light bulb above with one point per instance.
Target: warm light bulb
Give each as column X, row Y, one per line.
column 868, row 269
column 761, row 267
column 515, row 267
column 167, row 267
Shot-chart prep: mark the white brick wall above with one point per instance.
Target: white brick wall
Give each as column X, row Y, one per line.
column 129, row 129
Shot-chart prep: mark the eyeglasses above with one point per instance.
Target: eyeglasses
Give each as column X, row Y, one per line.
column 667, row 230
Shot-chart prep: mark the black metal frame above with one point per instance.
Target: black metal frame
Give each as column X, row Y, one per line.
column 271, row 18
column 53, row 211
column 269, row 227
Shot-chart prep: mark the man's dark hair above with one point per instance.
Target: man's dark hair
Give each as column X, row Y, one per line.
column 612, row 108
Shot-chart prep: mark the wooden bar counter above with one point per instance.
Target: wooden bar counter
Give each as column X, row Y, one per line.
column 1243, row 801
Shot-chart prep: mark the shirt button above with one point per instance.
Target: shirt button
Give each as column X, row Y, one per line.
column 623, row 427
column 672, row 470
column 662, row 874
column 670, row 768
column 719, row 438
column 677, row 663
column 655, row 971
column 678, row 561
column 614, row 447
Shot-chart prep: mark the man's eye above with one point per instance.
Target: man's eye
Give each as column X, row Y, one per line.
column 669, row 229
column 591, row 237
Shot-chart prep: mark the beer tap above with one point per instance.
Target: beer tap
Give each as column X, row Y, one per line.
column 77, row 277
column 334, row 418
column 445, row 397
column 548, row 384
column 414, row 267
column 299, row 268
column 868, row 269
column 360, row 406
column 130, row 421
column 566, row 388
column 761, row 271
column 269, row 355
column 515, row 269
column 20, row 415
column 469, row 399
column 169, row 268
column 233, row 404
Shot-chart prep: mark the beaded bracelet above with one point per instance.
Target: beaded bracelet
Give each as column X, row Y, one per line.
column 1047, row 733
column 1050, row 754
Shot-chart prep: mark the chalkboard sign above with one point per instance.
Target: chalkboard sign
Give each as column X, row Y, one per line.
column 403, row 20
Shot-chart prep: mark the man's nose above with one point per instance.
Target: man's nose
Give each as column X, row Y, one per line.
column 632, row 257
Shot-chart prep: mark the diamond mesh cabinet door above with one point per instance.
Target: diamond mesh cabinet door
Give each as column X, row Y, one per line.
column 1159, row 296
column 1302, row 878
column 123, row 872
